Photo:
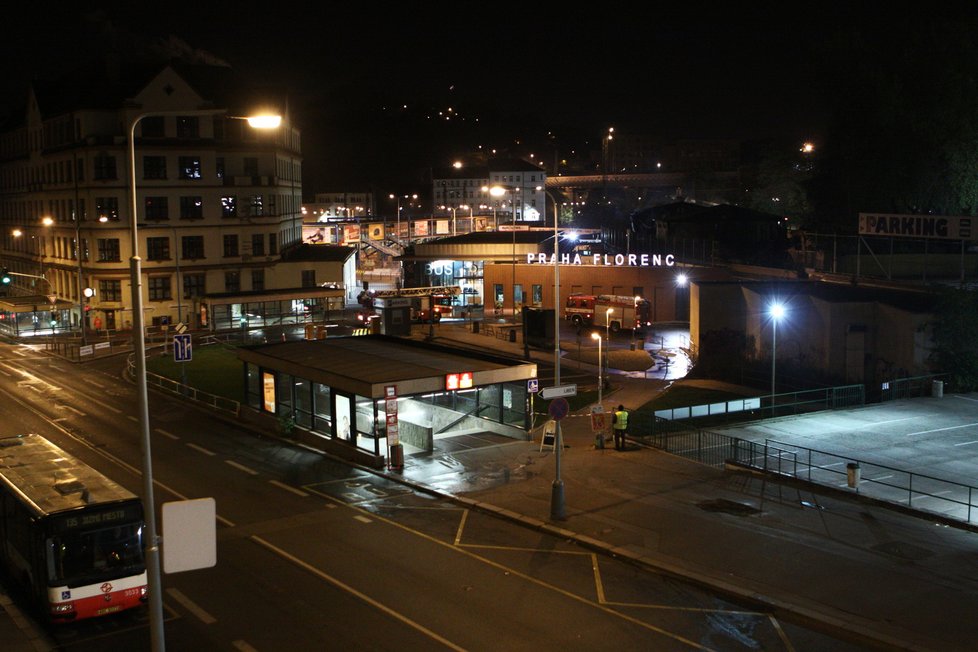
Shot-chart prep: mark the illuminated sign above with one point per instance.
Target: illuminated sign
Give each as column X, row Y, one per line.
column 605, row 260
column 458, row 381
column 917, row 226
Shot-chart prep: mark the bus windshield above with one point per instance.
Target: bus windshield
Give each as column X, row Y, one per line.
column 77, row 556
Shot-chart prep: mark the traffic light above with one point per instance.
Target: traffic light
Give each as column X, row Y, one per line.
column 4, row 276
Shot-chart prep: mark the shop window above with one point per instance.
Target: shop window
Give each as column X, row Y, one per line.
column 303, row 403
column 322, row 407
column 537, row 295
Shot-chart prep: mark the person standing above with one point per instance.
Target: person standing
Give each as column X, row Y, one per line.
column 620, row 427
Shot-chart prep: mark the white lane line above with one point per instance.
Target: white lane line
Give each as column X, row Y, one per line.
column 78, row 412
column 192, row 607
column 89, row 381
column 166, row 434
column 201, row 449
column 349, row 589
column 362, row 519
column 132, row 418
column 243, row 646
column 924, row 432
column 282, row 485
column 966, row 398
column 241, row 467
column 881, row 477
column 5, row 373
column 967, row 443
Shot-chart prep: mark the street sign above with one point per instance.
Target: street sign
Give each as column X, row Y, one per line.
column 182, row 348
column 559, row 408
column 597, row 418
column 557, row 391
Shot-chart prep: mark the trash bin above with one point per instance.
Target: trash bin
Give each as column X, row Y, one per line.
column 853, row 474
column 938, row 389
column 397, row 457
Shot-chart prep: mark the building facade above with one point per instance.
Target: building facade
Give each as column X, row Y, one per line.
column 510, row 190
column 217, row 201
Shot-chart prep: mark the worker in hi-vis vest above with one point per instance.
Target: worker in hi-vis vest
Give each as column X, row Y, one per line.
column 620, row 427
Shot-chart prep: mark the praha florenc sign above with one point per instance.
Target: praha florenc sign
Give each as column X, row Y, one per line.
column 917, row 226
column 605, row 260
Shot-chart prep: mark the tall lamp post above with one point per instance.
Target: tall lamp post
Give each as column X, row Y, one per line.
column 558, row 509
column 139, row 344
column 597, row 336
column 607, row 326
column 777, row 312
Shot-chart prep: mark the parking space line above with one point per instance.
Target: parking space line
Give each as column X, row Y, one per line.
column 967, row 443
column 924, row 432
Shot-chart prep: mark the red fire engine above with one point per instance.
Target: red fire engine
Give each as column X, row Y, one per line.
column 618, row 312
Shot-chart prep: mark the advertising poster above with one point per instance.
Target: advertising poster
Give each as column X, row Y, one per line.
column 268, row 391
column 351, row 233
column 341, row 411
column 443, row 227
column 376, row 231
column 315, row 235
column 421, row 228
column 481, row 224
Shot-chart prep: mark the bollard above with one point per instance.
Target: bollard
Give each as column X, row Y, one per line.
column 853, row 475
column 599, row 440
column 397, row 457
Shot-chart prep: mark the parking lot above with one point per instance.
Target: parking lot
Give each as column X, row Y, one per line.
column 921, row 453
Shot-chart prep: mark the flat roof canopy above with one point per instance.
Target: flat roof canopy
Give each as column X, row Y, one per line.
column 366, row 365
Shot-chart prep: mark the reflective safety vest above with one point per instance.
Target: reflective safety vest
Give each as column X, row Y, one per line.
column 621, row 420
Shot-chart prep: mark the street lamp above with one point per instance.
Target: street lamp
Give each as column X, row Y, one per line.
column 154, row 584
column 597, row 336
column 558, row 509
column 777, row 312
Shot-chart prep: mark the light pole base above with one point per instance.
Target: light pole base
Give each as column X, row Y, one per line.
column 558, row 511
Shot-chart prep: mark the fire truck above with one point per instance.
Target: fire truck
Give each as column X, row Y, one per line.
column 592, row 310
column 427, row 304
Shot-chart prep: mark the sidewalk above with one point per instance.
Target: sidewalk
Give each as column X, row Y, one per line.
column 889, row 580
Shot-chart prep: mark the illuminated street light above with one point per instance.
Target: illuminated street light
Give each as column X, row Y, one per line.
column 777, row 312
column 154, row 584
column 597, row 336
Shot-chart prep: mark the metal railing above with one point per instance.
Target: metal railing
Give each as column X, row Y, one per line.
column 954, row 500
column 779, row 404
column 946, row 498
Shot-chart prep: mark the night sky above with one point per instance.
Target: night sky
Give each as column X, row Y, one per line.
column 371, row 86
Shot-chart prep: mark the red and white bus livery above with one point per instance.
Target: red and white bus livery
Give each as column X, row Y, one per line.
column 69, row 535
column 614, row 311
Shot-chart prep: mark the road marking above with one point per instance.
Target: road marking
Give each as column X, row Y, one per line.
column 967, row 443
column 192, row 607
column 132, row 418
column 201, row 449
column 924, row 432
column 966, row 398
column 282, row 485
column 92, row 382
column 352, row 591
column 244, row 647
column 78, row 412
column 241, row 467
column 362, row 519
column 166, row 434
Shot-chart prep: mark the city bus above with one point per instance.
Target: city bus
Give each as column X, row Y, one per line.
column 69, row 536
